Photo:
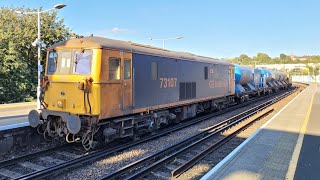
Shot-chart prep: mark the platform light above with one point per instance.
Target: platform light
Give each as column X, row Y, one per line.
column 165, row 39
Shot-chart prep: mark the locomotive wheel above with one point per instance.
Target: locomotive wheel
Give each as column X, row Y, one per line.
column 135, row 137
column 241, row 100
column 41, row 129
column 51, row 128
column 46, row 134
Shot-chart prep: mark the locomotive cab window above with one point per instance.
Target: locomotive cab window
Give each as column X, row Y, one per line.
column 154, row 70
column 127, row 69
column 114, row 69
column 52, row 62
column 69, row 62
column 64, row 62
column 82, row 62
column 205, row 72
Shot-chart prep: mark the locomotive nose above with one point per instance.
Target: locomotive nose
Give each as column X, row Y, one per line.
column 34, row 118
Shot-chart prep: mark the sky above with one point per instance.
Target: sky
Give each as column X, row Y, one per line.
column 214, row 28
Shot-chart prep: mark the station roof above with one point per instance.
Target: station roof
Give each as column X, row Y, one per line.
column 105, row 43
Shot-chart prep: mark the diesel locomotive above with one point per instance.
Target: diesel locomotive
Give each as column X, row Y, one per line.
column 99, row 89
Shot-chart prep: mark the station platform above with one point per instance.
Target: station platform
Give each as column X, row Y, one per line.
column 15, row 115
column 286, row 147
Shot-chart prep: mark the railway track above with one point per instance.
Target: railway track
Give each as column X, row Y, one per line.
column 176, row 159
column 59, row 159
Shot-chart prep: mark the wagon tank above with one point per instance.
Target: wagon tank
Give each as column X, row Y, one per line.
column 243, row 80
column 243, row 75
column 266, row 74
column 275, row 75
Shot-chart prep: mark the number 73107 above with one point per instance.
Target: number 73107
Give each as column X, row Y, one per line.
column 168, row 82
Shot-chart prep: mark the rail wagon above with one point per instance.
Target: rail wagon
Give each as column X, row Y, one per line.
column 97, row 88
column 257, row 81
column 243, row 86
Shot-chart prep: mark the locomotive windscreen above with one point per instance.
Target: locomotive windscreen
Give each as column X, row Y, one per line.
column 69, row 62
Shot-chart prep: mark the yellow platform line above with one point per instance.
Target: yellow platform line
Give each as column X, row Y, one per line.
column 295, row 156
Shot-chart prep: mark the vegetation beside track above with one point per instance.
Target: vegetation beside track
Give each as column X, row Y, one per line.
column 18, row 58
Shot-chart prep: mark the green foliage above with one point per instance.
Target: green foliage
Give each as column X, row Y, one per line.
column 263, row 58
column 283, row 56
column 242, row 59
column 18, row 58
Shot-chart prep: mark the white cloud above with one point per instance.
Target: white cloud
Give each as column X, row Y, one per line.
column 118, row 30
column 115, row 31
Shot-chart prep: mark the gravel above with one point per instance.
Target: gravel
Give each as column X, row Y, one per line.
column 3, row 177
column 41, row 163
column 20, row 169
column 30, row 150
column 113, row 163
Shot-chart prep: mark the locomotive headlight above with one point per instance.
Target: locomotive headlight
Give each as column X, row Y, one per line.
column 60, row 103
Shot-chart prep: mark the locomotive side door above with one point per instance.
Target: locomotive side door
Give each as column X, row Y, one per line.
column 111, row 84
column 116, row 83
column 126, row 82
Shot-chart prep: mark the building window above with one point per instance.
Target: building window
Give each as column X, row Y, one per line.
column 127, row 69
column 114, row 69
column 205, row 72
column 154, row 70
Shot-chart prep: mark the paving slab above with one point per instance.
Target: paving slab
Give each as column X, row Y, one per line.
column 15, row 115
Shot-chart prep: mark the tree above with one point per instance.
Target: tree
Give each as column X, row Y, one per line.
column 276, row 60
column 261, row 57
column 18, row 58
column 244, row 58
column 283, row 56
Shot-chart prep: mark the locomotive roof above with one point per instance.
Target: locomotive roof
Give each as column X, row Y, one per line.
column 99, row 42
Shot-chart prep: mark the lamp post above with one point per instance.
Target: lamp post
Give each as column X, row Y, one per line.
column 38, row 43
column 165, row 39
